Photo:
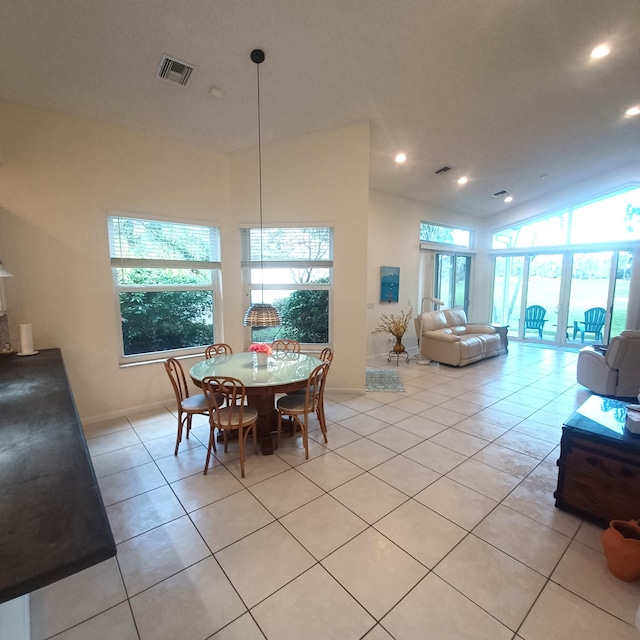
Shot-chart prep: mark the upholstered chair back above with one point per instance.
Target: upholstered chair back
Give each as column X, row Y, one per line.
column 623, row 352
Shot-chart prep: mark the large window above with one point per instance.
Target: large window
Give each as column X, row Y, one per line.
column 610, row 219
column 570, row 266
column 167, row 278
column 444, row 235
column 291, row 268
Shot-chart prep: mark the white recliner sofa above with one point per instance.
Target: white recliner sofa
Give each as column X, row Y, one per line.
column 616, row 372
column 445, row 336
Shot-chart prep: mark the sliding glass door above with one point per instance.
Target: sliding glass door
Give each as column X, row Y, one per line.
column 620, row 294
column 452, row 279
column 589, row 297
column 571, row 298
column 541, row 306
column 507, row 293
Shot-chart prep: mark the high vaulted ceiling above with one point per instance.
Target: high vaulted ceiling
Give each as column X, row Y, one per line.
column 503, row 91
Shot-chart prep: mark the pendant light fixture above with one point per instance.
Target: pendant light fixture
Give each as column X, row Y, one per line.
column 260, row 315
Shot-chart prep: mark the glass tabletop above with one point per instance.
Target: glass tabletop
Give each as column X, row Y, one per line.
column 604, row 417
column 280, row 370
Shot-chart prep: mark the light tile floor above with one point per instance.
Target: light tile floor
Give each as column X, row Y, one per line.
column 429, row 514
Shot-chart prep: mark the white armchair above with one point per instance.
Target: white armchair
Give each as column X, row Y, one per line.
column 615, row 373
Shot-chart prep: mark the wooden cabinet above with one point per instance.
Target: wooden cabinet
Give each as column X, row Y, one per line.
column 599, row 465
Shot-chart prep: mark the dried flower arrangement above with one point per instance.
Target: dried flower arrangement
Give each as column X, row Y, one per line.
column 261, row 347
column 395, row 325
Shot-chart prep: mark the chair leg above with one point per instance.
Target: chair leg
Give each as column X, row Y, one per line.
column 322, row 421
column 279, row 430
column 255, row 437
column 241, row 437
column 211, row 445
column 305, row 435
column 179, row 437
column 189, row 418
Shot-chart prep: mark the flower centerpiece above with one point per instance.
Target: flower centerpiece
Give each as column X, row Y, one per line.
column 262, row 351
column 396, row 326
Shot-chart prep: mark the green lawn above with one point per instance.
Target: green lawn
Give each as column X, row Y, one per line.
column 585, row 294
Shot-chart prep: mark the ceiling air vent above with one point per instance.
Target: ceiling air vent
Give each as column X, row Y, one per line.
column 443, row 170
column 498, row 194
column 174, row 71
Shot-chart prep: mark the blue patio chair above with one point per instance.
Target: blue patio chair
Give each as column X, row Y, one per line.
column 593, row 322
column 534, row 319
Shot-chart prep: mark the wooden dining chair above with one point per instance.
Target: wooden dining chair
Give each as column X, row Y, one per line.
column 188, row 405
column 228, row 412
column 219, row 349
column 326, row 355
column 298, row 406
column 285, row 347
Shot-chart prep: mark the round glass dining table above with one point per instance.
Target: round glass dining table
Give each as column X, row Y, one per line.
column 283, row 373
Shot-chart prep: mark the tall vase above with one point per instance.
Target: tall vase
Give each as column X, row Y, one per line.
column 398, row 347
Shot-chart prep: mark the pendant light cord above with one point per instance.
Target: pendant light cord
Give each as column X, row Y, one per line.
column 260, row 314
column 260, row 184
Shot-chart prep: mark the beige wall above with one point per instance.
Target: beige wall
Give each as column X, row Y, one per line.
column 323, row 179
column 394, row 241
column 60, row 176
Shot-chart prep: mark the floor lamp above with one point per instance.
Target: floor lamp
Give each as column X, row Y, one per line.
column 420, row 359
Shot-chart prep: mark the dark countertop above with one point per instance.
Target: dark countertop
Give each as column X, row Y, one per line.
column 52, row 519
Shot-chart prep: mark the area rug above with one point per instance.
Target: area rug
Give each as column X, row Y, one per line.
column 384, row 380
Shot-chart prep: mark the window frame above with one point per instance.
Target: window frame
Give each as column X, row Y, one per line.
column 215, row 285
column 247, row 265
column 567, row 211
column 451, row 246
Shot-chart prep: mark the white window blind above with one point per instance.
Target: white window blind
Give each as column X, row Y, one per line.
column 137, row 242
column 308, row 246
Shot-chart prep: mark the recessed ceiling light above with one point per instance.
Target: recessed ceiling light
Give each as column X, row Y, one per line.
column 401, row 157
column 633, row 111
column 508, row 199
column 601, row 51
column 463, row 180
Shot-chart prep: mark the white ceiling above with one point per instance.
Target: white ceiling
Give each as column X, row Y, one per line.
column 503, row 91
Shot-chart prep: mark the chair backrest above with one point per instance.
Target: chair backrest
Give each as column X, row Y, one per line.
column 178, row 380
column 315, row 387
column 285, row 346
column 534, row 316
column 623, row 352
column 594, row 319
column 326, row 355
column 226, row 398
column 219, row 349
